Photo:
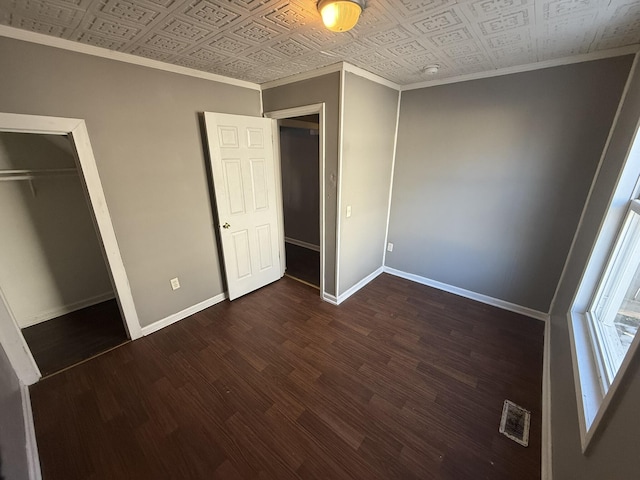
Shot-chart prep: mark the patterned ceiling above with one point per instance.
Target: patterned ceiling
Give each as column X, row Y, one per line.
column 264, row 40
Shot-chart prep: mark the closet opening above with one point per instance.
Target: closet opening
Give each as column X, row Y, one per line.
column 300, row 169
column 55, row 279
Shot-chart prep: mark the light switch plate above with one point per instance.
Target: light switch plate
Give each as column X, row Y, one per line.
column 175, row 283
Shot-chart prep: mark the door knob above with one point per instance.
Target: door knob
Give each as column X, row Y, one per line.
column 226, row 225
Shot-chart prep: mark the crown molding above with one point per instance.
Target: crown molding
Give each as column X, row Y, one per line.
column 298, row 77
column 47, row 40
column 334, row 67
column 370, row 76
column 556, row 62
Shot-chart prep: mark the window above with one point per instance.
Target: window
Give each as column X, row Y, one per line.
column 605, row 315
column 614, row 313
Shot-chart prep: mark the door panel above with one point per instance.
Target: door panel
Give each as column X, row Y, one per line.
column 245, row 190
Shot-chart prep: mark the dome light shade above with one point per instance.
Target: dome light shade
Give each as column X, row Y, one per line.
column 340, row 15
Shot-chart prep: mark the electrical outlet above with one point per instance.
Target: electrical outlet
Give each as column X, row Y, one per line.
column 175, row 283
column 389, row 247
column 348, row 211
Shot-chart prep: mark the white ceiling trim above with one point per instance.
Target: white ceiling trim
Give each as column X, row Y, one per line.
column 299, row 77
column 361, row 72
column 335, row 67
column 33, row 37
column 556, row 62
column 47, row 40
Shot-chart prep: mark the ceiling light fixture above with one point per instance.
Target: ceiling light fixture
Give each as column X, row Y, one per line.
column 340, row 15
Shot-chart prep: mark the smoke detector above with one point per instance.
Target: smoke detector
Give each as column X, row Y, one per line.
column 431, row 69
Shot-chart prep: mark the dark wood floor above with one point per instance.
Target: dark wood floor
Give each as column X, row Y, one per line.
column 399, row 382
column 66, row 340
column 303, row 264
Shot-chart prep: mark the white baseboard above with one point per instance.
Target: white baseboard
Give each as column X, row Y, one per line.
column 30, row 433
column 342, row 297
column 300, row 243
column 546, row 466
column 330, row 298
column 64, row 309
column 512, row 307
column 176, row 317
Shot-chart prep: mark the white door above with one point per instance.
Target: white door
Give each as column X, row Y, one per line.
column 242, row 163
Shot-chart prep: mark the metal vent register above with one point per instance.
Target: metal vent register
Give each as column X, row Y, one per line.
column 515, row 423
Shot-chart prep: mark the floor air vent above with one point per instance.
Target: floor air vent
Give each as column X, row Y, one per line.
column 515, row 423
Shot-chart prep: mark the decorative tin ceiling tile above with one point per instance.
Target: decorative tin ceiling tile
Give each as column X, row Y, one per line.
column 184, row 29
column 59, row 14
column 256, row 31
column 128, row 12
column 263, row 40
column 98, row 41
column 38, row 26
column 111, row 28
column 207, row 55
column 290, row 16
column 211, row 13
column 514, row 20
column 147, row 52
column 291, row 48
column 438, row 21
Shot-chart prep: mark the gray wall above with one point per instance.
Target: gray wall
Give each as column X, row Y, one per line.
column 491, row 176
column 50, row 255
column 370, row 114
column 300, row 184
column 613, row 453
column 308, row 92
column 12, row 434
column 145, row 132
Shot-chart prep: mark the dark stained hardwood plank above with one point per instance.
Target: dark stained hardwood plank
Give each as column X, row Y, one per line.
column 71, row 338
column 303, row 264
column 399, row 382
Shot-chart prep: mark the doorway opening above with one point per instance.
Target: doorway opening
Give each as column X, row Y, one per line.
column 54, row 277
column 299, row 164
column 64, row 294
column 300, row 140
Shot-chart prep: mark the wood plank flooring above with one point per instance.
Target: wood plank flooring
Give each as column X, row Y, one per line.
column 399, row 382
column 68, row 339
column 303, row 264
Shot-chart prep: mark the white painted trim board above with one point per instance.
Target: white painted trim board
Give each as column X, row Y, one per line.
column 182, row 314
column 303, row 244
column 13, row 341
column 478, row 297
column 361, row 72
column 50, row 41
column 339, row 179
column 299, row 77
column 68, row 308
column 355, row 288
column 528, row 67
column 393, row 170
column 319, row 109
column 546, row 467
column 78, row 47
column 31, row 446
column 330, row 298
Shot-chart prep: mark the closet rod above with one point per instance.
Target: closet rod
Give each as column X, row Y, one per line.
column 28, row 174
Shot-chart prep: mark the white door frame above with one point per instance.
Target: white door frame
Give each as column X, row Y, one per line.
column 317, row 108
column 10, row 335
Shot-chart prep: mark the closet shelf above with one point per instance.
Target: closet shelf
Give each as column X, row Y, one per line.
column 27, row 174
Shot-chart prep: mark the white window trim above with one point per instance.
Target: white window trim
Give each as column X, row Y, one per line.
column 590, row 387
